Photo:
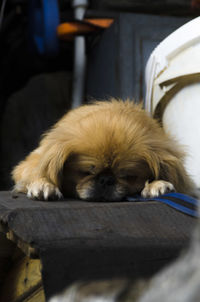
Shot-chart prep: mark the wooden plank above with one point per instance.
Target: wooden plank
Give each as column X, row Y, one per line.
column 37, row 296
column 79, row 240
column 65, row 220
column 23, row 281
column 103, row 224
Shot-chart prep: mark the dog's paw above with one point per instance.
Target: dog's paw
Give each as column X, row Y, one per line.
column 156, row 188
column 41, row 189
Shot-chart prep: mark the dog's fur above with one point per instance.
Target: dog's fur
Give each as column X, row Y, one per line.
column 103, row 152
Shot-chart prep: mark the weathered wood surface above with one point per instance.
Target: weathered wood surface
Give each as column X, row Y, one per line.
column 23, row 282
column 79, row 240
column 42, row 223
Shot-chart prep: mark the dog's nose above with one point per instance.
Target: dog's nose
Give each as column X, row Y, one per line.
column 106, row 180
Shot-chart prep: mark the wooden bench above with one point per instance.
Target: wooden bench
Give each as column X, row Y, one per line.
column 45, row 246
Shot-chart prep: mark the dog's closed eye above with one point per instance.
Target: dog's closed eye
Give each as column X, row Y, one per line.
column 128, row 177
column 85, row 173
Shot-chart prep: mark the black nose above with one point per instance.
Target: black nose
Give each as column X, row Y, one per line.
column 106, row 180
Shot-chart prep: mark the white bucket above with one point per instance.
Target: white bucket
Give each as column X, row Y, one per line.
column 173, row 90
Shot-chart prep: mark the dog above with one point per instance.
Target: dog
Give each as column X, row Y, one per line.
column 103, row 151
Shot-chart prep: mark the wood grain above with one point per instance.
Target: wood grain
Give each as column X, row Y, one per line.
column 78, row 240
column 23, row 282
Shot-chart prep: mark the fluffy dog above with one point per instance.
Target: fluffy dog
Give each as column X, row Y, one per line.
column 103, row 151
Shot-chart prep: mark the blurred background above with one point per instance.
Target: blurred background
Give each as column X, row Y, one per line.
column 55, row 55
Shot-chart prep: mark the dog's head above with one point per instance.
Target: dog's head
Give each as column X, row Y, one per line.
column 107, row 153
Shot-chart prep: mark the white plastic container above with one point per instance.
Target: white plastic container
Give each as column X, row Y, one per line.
column 173, row 90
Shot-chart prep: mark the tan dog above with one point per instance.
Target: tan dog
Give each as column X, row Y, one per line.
column 103, row 152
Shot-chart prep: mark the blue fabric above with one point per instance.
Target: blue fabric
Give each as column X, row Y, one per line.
column 181, row 202
column 43, row 22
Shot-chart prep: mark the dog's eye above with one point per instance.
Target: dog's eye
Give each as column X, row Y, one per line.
column 85, row 173
column 129, row 177
column 88, row 171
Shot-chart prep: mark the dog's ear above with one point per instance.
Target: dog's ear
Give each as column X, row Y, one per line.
column 165, row 160
column 52, row 161
column 172, row 170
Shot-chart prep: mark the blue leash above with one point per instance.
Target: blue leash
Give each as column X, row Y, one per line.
column 181, row 202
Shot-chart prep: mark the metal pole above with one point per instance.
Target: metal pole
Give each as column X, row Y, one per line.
column 80, row 7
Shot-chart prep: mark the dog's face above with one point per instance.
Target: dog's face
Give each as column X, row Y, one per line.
column 104, row 179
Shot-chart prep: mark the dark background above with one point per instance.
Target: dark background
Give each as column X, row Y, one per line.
column 35, row 90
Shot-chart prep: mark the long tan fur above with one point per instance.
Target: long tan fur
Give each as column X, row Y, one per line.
column 113, row 134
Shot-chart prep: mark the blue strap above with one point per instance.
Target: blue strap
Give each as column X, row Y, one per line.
column 181, row 202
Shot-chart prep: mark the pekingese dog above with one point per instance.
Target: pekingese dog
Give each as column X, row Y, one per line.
column 103, row 151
